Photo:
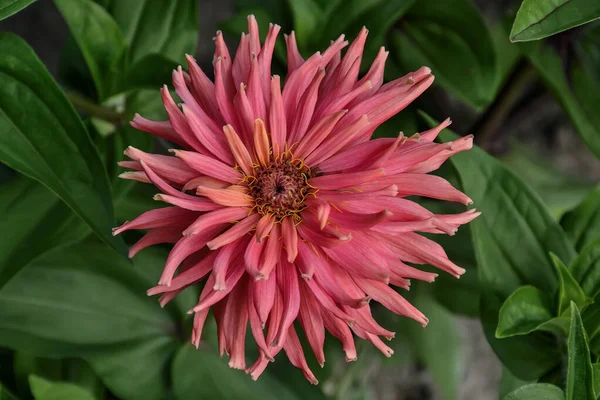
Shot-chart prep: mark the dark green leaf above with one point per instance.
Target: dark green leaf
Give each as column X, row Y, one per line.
column 167, row 27
column 536, row 391
column 453, row 40
column 202, row 374
column 307, row 18
column 32, row 110
column 596, row 368
column 582, row 224
column 151, row 72
column 88, row 302
column 537, row 19
column 507, row 262
column 100, row 41
column 34, row 221
column 549, row 66
column 568, row 288
column 5, row 394
column 444, row 362
column 559, row 192
column 10, row 7
column 509, row 382
column 586, row 269
column 136, row 371
column 523, row 312
column 47, row 390
column 580, row 374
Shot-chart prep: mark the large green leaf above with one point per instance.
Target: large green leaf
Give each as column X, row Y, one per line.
column 42, row 137
column 586, row 269
column 34, row 221
column 537, row 19
column 512, row 240
column 444, row 362
column 86, row 301
column 549, row 66
column 166, row 27
column 453, row 40
column 569, row 289
column 559, row 192
column 202, row 374
column 47, row 390
column 100, row 41
column 10, row 7
column 580, row 374
column 536, row 391
column 582, row 224
column 523, row 312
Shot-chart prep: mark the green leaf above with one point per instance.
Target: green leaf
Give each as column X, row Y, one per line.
column 86, row 301
column 32, row 110
column 445, row 362
column 523, row 312
column 203, row 374
column 582, row 224
column 166, row 27
column 580, row 374
column 537, row 19
column 586, row 269
column 138, row 370
column 453, row 40
column 10, row 7
column 549, row 66
column 559, row 192
column 536, row 391
column 596, row 368
column 100, row 41
column 507, row 262
column 568, row 288
column 6, row 394
column 151, row 72
column 47, row 390
column 509, row 383
column 37, row 221
column 307, row 17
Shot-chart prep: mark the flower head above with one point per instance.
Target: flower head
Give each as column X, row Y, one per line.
column 281, row 204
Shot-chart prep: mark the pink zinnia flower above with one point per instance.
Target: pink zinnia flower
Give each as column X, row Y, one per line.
column 282, row 205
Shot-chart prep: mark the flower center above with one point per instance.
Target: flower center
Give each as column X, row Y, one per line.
column 280, row 188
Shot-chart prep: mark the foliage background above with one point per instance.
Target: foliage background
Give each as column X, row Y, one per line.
column 75, row 322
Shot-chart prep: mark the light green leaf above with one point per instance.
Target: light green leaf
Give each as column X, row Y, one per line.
column 35, row 221
column 100, row 41
column 586, row 269
column 537, row 19
column 580, row 374
column 166, row 27
column 32, row 110
column 536, row 391
column 582, row 224
column 507, row 262
column 549, row 66
column 202, row 374
column 47, row 390
column 10, row 7
column 453, row 40
column 523, row 312
column 568, row 288
column 444, row 362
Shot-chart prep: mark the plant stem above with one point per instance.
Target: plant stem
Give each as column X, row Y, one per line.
column 496, row 113
column 92, row 109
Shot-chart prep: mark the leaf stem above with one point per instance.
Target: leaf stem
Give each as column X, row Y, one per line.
column 90, row 108
column 495, row 115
